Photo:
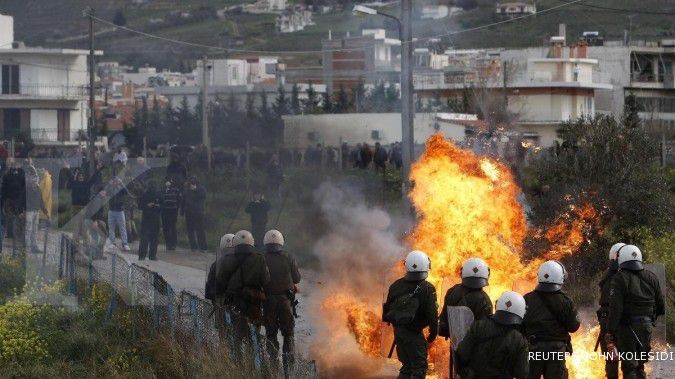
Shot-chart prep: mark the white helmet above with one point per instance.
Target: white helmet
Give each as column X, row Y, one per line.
column 510, row 308
column 551, row 276
column 475, row 273
column 630, row 258
column 614, row 250
column 243, row 237
column 273, row 236
column 417, row 265
column 226, row 241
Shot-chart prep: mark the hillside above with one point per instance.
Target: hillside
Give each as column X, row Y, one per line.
column 60, row 23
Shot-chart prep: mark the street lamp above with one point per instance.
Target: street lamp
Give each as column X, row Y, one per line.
column 407, row 128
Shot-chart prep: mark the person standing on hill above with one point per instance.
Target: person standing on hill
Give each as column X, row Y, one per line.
column 170, row 200
column 149, row 204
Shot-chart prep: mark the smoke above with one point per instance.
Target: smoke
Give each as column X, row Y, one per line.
column 356, row 255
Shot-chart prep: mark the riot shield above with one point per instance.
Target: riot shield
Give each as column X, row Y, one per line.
column 459, row 321
column 659, row 333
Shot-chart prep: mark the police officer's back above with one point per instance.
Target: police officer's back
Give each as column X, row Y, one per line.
column 551, row 317
column 280, row 295
column 635, row 303
column 410, row 307
column 245, row 273
column 611, row 366
column 494, row 347
column 475, row 275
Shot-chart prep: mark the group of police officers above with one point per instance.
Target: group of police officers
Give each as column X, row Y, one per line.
column 259, row 289
column 255, row 289
column 527, row 336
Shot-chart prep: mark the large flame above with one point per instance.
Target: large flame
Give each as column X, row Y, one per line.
column 468, row 207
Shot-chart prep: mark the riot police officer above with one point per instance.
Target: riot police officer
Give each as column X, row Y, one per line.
column 611, row 366
column 494, row 347
column 410, row 307
column 475, row 275
column 635, row 302
column 551, row 317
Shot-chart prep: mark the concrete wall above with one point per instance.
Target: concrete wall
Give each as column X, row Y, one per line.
column 6, row 31
column 551, row 107
column 353, row 128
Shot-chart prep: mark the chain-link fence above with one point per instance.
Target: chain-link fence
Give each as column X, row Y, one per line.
column 81, row 266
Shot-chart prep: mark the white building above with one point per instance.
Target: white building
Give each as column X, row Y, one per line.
column 275, row 5
column 435, row 12
column 6, row 31
column 293, row 21
column 43, row 92
column 141, row 77
column 519, row 8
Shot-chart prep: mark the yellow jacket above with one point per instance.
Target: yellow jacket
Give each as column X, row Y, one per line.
column 46, row 191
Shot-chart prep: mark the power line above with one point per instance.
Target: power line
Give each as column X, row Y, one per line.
column 289, row 52
column 624, row 10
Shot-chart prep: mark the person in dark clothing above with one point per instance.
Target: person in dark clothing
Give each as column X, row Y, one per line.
column 194, row 209
column 380, row 157
column 494, row 347
column 12, row 199
column 214, row 290
column 170, row 200
column 345, row 155
column 635, row 303
column 396, row 156
column 365, row 155
column 258, row 209
column 475, row 275
column 551, row 317
column 611, row 366
column 275, row 176
column 279, row 294
column 246, row 274
column 355, row 156
column 176, row 171
column 149, row 204
column 411, row 346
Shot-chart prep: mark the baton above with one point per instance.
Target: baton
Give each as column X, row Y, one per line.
column 391, row 349
column 597, row 342
column 636, row 338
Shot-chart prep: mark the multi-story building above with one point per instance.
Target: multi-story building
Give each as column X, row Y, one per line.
column 518, row 8
column 43, row 91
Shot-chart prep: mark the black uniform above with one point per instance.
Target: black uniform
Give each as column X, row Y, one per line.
column 13, row 201
column 411, row 346
column 279, row 292
column 550, row 318
column 258, row 210
column 474, row 298
column 492, row 350
column 611, row 367
column 635, row 302
column 194, row 208
column 149, row 204
column 170, row 203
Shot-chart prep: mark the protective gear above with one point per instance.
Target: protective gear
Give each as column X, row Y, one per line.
column 273, row 236
column 475, row 273
column 459, row 295
column 551, row 276
column 417, row 266
column 226, row 241
column 243, row 237
column 630, row 258
column 615, row 249
column 510, row 308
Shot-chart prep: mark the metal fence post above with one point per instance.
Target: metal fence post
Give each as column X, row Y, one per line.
column 113, row 296
column 195, row 322
column 90, row 252
column 170, row 295
column 230, row 334
column 44, row 251
column 15, row 235
column 61, row 248
column 71, row 267
column 153, row 298
column 257, row 356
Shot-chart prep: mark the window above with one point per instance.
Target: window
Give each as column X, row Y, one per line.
column 10, row 79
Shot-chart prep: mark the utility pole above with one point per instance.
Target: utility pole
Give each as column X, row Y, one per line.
column 504, row 82
column 407, row 115
column 91, row 153
column 206, row 140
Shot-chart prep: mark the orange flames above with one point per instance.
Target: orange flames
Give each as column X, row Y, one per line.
column 468, row 207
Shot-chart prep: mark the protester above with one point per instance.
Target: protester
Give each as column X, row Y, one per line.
column 275, row 176
column 170, row 200
column 380, row 157
column 365, row 156
column 33, row 206
column 396, row 156
column 149, row 204
column 46, row 191
column 194, row 209
column 117, row 194
column 176, row 171
column 258, row 209
column 12, row 198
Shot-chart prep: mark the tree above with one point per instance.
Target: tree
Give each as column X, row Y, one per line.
column 281, row 102
column 183, row 133
column 327, row 103
column 359, row 97
column 295, row 100
column 342, row 101
column 467, row 4
column 119, row 18
column 631, row 110
column 392, row 98
column 250, row 106
column 311, row 104
column 377, row 98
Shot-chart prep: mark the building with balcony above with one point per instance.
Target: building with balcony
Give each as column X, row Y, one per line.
column 43, row 93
